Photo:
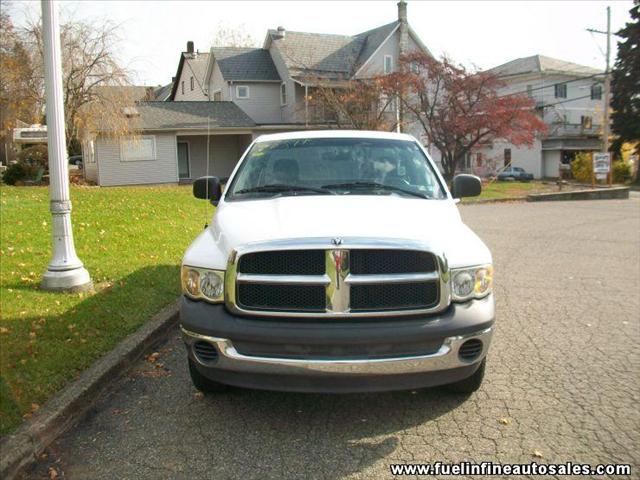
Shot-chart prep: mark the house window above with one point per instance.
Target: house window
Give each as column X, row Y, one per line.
column 596, row 92
column 479, row 159
column 507, row 156
column 560, row 90
column 415, row 68
column 586, row 122
column 283, row 94
column 388, row 63
column 217, row 96
column 182, row 87
column 530, row 91
column 242, row 91
column 191, row 84
column 138, row 149
column 387, row 104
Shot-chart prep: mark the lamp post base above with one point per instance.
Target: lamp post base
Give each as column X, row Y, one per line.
column 76, row 280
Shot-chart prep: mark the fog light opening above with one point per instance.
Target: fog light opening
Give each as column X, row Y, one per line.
column 205, row 352
column 470, row 350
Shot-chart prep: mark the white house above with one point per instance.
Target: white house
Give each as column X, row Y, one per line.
column 569, row 97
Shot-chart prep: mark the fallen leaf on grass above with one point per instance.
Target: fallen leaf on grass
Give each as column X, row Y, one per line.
column 4, row 330
column 505, row 421
column 53, row 473
column 151, row 358
column 198, row 395
column 537, row 454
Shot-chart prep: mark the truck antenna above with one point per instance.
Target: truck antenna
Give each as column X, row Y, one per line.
column 206, row 217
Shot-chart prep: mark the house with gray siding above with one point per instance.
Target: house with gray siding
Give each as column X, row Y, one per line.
column 568, row 97
column 221, row 99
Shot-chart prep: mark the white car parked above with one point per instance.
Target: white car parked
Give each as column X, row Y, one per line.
column 337, row 261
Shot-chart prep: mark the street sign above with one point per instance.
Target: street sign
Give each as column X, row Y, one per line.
column 601, row 163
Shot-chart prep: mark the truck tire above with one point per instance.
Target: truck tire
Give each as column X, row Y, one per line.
column 202, row 383
column 469, row 384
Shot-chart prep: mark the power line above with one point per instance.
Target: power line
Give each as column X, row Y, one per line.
column 551, row 85
column 564, row 101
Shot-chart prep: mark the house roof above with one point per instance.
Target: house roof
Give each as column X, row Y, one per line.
column 237, row 63
column 162, row 92
column 197, row 64
column 372, row 39
column 542, row 64
column 334, row 56
column 189, row 115
column 133, row 93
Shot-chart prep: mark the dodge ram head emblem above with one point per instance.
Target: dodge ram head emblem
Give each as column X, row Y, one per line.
column 336, row 241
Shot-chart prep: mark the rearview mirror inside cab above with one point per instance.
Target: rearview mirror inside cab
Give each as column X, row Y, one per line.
column 208, row 188
column 466, row 186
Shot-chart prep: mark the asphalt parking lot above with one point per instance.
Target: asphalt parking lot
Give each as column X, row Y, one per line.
column 562, row 384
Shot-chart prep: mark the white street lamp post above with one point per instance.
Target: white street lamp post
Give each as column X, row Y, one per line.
column 65, row 271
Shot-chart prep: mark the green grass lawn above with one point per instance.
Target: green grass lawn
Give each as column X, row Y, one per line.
column 497, row 190
column 130, row 239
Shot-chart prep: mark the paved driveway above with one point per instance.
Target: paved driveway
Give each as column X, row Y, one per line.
column 562, row 379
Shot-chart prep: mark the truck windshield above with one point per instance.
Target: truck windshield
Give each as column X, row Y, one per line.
column 339, row 166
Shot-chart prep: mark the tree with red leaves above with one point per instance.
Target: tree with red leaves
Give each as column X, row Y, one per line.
column 459, row 109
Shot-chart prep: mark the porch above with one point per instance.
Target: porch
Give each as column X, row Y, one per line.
column 224, row 152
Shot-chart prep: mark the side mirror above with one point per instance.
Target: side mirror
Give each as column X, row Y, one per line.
column 208, row 188
column 466, row 186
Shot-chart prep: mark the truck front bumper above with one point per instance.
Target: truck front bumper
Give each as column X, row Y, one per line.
column 213, row 328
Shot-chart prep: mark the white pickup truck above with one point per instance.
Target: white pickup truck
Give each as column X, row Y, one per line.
column 337, row 261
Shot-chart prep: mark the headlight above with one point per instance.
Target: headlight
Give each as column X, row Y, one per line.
column 200, row 283
column 468, row 283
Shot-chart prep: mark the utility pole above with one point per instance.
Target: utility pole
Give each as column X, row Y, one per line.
column 607, row 82
column 607, row 91
column 65, row 271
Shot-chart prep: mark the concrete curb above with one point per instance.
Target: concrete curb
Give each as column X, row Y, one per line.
column 493, row 200
column 70, row 405
column 591, row 194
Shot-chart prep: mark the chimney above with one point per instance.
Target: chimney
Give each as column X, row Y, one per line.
column 189, row 46
column 404, row 27
column 280, row 33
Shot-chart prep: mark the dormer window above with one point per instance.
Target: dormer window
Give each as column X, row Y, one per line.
column 388, row 63
column 242, row 91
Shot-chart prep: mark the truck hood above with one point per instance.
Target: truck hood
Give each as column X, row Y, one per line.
column 437, row 222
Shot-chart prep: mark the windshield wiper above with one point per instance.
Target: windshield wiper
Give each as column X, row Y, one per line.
column 372, row 185
column 283, row 188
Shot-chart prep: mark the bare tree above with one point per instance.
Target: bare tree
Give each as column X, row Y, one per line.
column 226, row 35
column 89, row 64
column 361, row 104
column 19, row 86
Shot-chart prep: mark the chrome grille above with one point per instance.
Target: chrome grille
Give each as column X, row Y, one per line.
column 259, row 296
column 401, row 296
column 366, row 262
column 287, row 262
column 339, row 278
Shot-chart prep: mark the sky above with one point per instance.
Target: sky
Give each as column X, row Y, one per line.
column 480, row 33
